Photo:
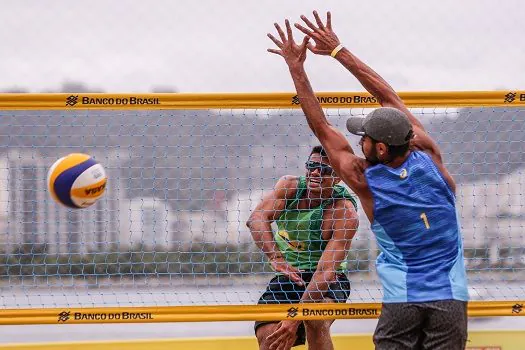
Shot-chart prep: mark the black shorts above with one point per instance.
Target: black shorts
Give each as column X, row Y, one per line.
column 281, row 290
column 439, row 325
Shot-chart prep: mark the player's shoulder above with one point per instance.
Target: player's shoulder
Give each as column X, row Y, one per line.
column 288, row 181
column 287, row 186
column 421, row 141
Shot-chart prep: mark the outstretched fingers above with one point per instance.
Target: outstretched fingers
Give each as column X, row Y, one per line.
column 320, row 23
column 329, row 20
column 281, row 33
column 277, row 52
column 275, row 41
column 287, row 47
column 303, row 29
column 309, row 24
column 288, row 30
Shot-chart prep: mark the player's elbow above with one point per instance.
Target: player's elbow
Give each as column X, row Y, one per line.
column 255, row 232
column 255, row 218
column 250, row 221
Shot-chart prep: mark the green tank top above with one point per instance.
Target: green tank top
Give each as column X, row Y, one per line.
column 298, row 235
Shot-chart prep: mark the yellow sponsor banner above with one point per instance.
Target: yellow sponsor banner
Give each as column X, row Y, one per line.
column 75, row 101
column 310, row 311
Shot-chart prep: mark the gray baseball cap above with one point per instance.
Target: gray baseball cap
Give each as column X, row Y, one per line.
column 386, row 124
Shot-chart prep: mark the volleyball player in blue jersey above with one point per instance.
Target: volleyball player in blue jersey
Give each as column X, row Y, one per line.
column 407, row 194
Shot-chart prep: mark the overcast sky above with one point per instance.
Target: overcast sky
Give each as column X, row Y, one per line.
column 220, row 46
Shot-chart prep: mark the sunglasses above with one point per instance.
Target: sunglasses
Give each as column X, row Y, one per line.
column 323, row 168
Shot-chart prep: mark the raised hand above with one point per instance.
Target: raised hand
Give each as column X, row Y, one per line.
column 292, row 53
column 323, row 35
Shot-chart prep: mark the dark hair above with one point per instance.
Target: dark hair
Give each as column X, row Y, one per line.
column 394, row 151
column 319, row 150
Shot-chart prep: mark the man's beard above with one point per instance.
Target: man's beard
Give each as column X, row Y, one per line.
column 372, row 158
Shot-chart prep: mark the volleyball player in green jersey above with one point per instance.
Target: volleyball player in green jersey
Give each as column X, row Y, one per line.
column 316, row 220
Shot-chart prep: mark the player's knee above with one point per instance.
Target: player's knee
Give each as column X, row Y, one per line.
column 263, row 342
column 319, row 327
column 262, row 334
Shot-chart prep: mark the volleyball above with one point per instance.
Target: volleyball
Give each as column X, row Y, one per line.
column 76, row 180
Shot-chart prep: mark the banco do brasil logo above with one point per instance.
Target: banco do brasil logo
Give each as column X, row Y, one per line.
column 292, row 312
column 64, row 316
column 513, row 96
column 510, row 97
column 71, row 100
column 517, row 308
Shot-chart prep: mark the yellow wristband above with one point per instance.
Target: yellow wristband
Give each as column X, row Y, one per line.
column 336, row 50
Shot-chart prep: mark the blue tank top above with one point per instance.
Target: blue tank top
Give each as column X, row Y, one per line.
column 417, row 230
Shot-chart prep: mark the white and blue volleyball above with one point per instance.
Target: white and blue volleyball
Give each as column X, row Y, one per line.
column 76, row 180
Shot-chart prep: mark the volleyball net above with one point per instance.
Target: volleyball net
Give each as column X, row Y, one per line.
column 169, row 242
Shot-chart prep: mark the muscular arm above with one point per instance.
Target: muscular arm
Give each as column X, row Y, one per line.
column 326, row 41
column 340, row 153
column 347, row 166
column 375, row 84
column 344, row 224
column 267, row 211
column 259, row 223
column 387, row 97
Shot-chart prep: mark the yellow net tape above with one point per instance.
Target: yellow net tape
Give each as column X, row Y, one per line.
column 72, row 101
column 318, row 311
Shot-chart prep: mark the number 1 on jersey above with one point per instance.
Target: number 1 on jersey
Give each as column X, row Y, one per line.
column 425, row 220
